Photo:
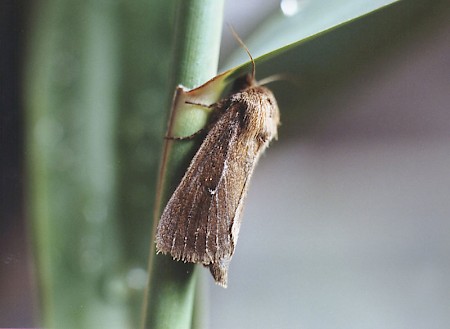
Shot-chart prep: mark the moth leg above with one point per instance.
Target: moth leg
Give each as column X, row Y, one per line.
column 184, row 138
column 197, row 133
column 211, row 106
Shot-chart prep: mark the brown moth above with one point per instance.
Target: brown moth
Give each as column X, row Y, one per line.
column 201, row 221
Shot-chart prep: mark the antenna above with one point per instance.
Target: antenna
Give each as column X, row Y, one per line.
column 236, row 36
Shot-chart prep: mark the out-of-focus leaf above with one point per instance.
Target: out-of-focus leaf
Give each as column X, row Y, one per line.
column 324, row 63
column 298, row 20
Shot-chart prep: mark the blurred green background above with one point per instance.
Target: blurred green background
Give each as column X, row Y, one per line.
column 362, row 164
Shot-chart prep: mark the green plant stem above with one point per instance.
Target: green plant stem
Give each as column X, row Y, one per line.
column 169, row 298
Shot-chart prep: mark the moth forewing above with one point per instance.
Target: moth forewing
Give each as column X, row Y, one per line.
column 201, row 221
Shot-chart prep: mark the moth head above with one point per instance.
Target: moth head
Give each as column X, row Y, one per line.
column 261, row 114
column 271, row 112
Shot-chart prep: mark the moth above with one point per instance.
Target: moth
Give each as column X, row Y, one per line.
column 201, row 221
